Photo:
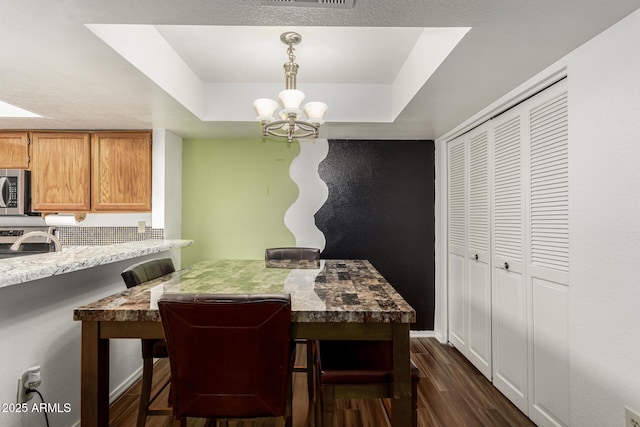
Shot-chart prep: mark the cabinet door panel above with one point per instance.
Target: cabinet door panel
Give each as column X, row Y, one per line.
column 548, row 267
column 457, row 302
column 457, row 243
column 480, row 316
column 510, row 336
column 478, row 257
column 549, row 187
column 457, row 206
column 550, row 400
column 60, row 171
column 14, row 150
column 510, row 344
column 121, row 171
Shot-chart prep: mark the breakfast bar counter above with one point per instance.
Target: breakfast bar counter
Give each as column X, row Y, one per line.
column 337, row 299
column 23, row 269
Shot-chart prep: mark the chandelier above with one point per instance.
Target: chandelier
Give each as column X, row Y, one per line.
column 290, row 125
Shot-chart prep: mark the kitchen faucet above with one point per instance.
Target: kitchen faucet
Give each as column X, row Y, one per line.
column 19, row 240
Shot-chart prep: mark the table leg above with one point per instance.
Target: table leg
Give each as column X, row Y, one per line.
column 94, row 377
column 402, row 416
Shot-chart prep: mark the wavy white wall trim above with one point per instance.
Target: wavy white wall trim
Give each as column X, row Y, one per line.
column 312, row 193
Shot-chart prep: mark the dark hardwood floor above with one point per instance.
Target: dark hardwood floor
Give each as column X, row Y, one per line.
column 451, row 393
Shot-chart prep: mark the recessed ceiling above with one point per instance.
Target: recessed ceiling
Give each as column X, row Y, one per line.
column 54, row 65
column 325, row 55
column 364, row 74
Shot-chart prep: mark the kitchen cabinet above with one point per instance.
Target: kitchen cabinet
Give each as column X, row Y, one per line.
column 121, row 171
column 91, row 171
column 60, row 171
column 14, row 150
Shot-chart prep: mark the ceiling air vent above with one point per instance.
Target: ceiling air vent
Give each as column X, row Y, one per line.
column 344, row 4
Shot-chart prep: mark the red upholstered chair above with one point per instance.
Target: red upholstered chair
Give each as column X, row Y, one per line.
column 357, row 369
column 230, row 355
column 302, row 254
column 151, row 348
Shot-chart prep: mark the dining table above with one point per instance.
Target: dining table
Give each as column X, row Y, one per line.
column 333, row 299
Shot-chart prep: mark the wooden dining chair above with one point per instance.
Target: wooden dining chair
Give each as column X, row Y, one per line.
column 299, row 254
column 357, row 370
column 151, row 348
column 230, row 355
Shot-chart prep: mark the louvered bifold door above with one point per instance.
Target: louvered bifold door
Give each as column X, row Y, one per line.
column 457, row 244
column 479, row 252
column 548, row 259
column 509, row 294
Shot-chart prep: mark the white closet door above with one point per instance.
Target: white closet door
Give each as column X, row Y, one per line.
column 548, row 263
column 457, row 232
column 478, row 253
column 510, row 351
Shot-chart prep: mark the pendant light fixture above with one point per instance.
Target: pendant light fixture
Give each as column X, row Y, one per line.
column 290, row 125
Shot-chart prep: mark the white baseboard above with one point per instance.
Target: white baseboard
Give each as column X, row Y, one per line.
column 422, row 334
column 115, row 393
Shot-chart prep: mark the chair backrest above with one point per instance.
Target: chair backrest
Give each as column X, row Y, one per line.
column 147, row 270
column 230, row 355
column 292, row 253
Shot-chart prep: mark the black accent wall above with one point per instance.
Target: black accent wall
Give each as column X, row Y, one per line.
column 381, row 208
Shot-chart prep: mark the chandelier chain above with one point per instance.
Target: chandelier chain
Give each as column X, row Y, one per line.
column 290, row 52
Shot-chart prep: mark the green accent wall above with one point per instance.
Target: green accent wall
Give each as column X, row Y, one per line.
column 234, row 197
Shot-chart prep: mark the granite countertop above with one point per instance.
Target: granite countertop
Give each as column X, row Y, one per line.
column 334, row 291
column 32, row 267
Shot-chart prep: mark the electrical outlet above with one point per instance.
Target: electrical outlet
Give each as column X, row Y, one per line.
column 142, row 226
column 632, row 418
column 30, row 379
column 22, row 396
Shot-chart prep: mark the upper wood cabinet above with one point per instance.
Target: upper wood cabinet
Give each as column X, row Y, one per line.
column 60, row 171
column 121, row 171
column 14, row 150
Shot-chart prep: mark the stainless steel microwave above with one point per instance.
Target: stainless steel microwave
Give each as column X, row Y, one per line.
column 15, row 192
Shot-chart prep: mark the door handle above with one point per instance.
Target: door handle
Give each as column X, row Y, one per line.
column 4, row 191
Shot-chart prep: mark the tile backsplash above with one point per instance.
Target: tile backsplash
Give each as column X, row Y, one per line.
column 94, row 236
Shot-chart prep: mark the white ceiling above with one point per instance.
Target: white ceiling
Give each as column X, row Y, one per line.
column 191, row 67
column 326, row 54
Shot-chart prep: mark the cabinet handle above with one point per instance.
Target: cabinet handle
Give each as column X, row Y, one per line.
column 506, row 265
column 476, row 257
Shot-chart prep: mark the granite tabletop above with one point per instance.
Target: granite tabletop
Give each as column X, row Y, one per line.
column 32, row 267
column 331, row 291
